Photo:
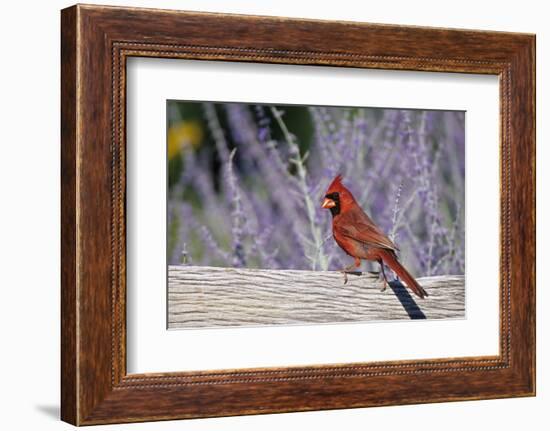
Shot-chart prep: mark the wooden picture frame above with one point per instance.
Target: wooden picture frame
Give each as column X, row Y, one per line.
column 95, row 43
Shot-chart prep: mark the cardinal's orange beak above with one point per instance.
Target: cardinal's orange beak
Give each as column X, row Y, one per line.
column 328, row 203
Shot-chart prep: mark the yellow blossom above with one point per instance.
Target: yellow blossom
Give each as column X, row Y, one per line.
column 182, row 134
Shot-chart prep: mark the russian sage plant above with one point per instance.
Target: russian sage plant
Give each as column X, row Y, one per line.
column 248, row 193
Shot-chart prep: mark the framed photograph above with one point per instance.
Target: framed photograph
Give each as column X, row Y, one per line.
column 264, row 214
column 247, row 185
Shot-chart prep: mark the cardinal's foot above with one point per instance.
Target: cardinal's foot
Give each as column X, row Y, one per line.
column 382, row 277
column 345, row 276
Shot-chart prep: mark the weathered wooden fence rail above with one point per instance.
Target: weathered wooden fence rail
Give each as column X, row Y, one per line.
column 200, row 297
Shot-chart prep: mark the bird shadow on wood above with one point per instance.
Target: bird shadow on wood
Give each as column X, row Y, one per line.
column 407, row 301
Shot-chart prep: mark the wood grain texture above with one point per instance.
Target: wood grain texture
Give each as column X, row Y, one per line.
column 96, row 41
column 203, row 297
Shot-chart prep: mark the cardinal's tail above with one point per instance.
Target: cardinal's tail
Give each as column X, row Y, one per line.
column 390, row 259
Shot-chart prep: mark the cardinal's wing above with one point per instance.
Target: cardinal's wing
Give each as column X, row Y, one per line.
column 357, row 225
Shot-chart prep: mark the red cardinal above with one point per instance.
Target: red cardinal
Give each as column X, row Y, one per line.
column 357, row 234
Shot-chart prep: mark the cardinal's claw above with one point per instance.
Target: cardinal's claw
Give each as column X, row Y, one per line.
column 345, row 277
column 345, row 273
column 384, row 285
